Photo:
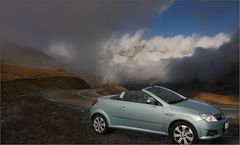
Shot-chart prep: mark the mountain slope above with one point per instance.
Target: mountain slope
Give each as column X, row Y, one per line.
column 14, row 72
column 14, row 54
column 24, row 56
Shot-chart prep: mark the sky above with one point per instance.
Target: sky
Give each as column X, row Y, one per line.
column 205, row 17
column 129, row 39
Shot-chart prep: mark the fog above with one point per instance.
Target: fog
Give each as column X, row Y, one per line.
column 72, row 30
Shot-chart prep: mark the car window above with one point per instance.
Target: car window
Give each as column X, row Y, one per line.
column 166, row 95
column 148, row 97
column 138, row 96
column 134, row 96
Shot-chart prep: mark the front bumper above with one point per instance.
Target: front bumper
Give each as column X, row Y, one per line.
column 211, row 130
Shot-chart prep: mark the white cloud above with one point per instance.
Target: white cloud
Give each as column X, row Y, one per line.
column 138, row 56
column 212, row 42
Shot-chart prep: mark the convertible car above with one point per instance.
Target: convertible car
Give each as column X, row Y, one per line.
column 159, row 110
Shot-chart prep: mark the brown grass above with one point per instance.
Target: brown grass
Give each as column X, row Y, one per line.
column 18, row 80
column 14, row 72
column 210, row 97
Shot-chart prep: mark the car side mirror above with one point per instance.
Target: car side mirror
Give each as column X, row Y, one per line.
column 150, row 100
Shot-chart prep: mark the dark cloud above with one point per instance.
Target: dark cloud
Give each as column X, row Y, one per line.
column 206, row 65
column 81, row 24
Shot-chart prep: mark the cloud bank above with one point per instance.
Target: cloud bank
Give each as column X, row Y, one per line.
column 169, row 59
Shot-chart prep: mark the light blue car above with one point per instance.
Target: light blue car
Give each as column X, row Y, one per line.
column 159, row 110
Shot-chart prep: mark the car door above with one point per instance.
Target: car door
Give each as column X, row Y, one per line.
column 135, row 112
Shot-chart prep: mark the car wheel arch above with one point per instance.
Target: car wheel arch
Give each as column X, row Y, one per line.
column 180, row 120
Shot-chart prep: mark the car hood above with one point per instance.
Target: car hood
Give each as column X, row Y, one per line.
column 196, row 107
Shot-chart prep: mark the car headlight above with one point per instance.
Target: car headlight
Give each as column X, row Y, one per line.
column 208, row 117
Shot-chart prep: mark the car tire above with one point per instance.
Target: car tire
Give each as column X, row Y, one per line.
column 99, row 124
column 183, row 132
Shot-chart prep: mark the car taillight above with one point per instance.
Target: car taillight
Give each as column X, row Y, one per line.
column 94, row 101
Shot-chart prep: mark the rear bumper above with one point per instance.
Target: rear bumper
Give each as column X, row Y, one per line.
column 211, row 130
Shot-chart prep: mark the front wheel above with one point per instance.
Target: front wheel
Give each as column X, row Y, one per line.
column 183, row 133
column 99, row 124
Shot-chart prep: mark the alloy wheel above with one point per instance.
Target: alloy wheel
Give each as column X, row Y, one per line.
column 99, row 124
column 183, row 134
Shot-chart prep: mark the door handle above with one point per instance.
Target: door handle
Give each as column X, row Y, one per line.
column 123, row 108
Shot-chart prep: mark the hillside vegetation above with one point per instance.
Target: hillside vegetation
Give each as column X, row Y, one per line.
column 14, row 72
column 18, row 80
column 211, row 97
column 223, row 91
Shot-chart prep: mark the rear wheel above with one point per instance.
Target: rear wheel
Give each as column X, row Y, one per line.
column 99, row 124
column 183, row 133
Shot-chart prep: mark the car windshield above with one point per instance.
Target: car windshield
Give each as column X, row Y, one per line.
column 167, row 95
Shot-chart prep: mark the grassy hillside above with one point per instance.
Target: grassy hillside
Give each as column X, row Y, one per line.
column 225, row 90
column 210, row 97
column 14, row 72
column 18, row 80
column 94, row 81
